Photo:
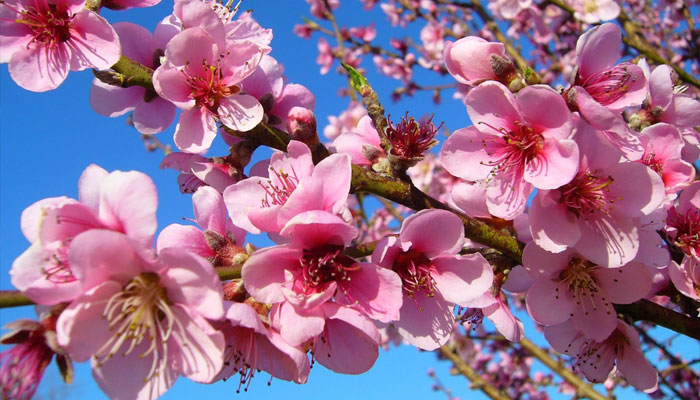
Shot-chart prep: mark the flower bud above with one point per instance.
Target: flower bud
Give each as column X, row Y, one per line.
column 468, row 60
column 301, row 125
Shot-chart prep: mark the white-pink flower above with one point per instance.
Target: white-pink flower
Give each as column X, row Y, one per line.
column 202, row 78
column 434, row 276
column 293, row 185
column 517, row 143
column 125, row 202
column 594, row 11
column 468, row 60
column 44, row 39
column 569, row 287
column 598, row 213
column 141, row 320
column 197, row 171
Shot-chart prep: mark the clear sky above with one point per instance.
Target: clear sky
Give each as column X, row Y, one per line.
column 47, row 140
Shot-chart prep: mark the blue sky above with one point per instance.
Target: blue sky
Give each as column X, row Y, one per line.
column 47, row 140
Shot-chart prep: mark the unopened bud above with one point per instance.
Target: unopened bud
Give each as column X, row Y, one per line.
column 506, row 73
column 301, row 125
column 235, row 291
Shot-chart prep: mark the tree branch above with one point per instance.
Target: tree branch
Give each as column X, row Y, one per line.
column 450, row 352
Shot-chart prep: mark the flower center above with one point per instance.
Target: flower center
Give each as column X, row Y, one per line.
column 582, row 284
column 410, row 139
column 140, row 313
column 610, row 84
column 652, row 162
column 322, row 265
column 208, row 87
column 50, row 23
column 688, row 230
column 590, row 6
column 587, row 194
column 514, row 148
column 414, row 269
column 277, row 192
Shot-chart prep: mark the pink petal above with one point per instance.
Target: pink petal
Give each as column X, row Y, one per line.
column 27, row 274
column 542, row 264
column 556, row 166
column 468, row 146
column 608, row 242
column 507, row 196
column 264, row 272
column 99, row 255
column 296, row 327
column 194, row 14
column 240, row 112
column 197, row 348
column 637, row 370
column 39, row 69
column 552, row 226
column 192, row 281
column 378, row 291
column 661, row 86
column 492, row 106
column 425, row 322
column 386, row 251
column 33, row 216
column 624, row 285
column 209, row 209
column 66, row 221
column 564, row 338
column 461, row 279
column 681, row 277
column 241, row 198
column 420, row 232
column 519, row 281
column 128, row 203
column 135, row 42
column 113, row 101
column 94, row 43
column 81, row 327
column 89, row 186
column 170, row 84
column 186, row 237
column 549, row 302
column 598, row 48
column 594, row 317
column 195, row 131
column 471, row 199
column 316, row 228
column 545, row 109
column 14, row 36
column 507, row 324
column 684, row 111
column 351, row 345
column 190, row 48
column 154, row 116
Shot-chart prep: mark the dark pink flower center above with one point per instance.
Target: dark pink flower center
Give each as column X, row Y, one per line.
column 322, row 265
column 587, row 194
column 278, row 193
column 514, row 148
column 652, row 162
column 208, row 86
column 415, row 270
column 608, row 85
column 410, row 139
column 687, row 230
column 50, row 23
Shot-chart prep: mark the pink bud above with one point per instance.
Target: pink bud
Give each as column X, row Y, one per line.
column 301, row 125
column 468, row 60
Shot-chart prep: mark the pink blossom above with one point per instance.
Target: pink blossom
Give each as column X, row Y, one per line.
column 151, row 113
column 140, row 319
column 662, row 145
column 366, row 33
column 433, row 274
column 253, row 345
column 325, row 56
column 312, row 269
column 666, row 103
column 218, row 240
column 319, row 9
column 683, row 222
column 569, row 287
column 594, row 11
column 596, row 358
column 121, row 201
column 509, row 9
column 468, row 60
column 517, row 142
column 395, row 67
column 197, row 171
column 597, row 212
column 203, row 80
column 293, row 185
column 495, row 307
column 43, row 39
column 686, row 277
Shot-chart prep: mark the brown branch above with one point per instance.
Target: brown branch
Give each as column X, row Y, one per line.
column 450, row 352
column 13, row 298
column 645, row 310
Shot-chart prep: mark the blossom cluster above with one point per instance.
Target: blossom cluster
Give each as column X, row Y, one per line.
column 592, row 180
